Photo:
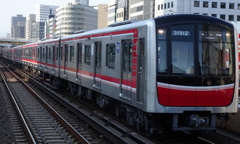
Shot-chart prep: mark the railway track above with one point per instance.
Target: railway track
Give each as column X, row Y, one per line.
column 115, row 131
column 40, row 122
column 107, row 126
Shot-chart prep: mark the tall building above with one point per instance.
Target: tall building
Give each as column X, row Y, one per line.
column 43, row 11
column 226, row 10
column 112, row 9
column 50, row 27
column 42, row 14
column 38, row 31
column 31, row 18
column 74, row 17
column 102, row 15
column 121, row 10
column 141, row 9
column 18, row 26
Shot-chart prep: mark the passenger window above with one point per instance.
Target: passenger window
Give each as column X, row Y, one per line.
column 61, row 53
column 127, row 57
column 72, row 54
column 98, row 46
column 50, row 53
column 79, row 47
column 38, row 55
column 46, row 53
column 110, row 56
column 66, row 53
column 53, row 53
column 57, row 53
column 43, row 52
column 87, row 55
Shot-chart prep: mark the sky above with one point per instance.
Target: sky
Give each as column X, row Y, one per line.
column 11, row 8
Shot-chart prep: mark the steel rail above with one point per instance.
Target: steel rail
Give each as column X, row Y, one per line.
column 26, row 128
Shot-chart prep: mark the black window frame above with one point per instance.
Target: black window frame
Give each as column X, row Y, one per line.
column 87, row 54
column 110, row 55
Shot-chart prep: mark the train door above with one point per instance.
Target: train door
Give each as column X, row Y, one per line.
column 140, row 77
column 126, row 71
column 65, row 60
column 97, row 65
column 79, row 62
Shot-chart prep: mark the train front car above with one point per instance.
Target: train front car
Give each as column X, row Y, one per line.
column 196, row 71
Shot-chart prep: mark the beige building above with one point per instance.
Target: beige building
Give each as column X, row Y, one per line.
column 102, row 16
column 74, row 17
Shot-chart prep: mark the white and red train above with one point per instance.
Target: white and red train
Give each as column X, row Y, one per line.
column 174, row 72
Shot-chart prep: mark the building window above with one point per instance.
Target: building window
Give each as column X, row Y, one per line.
column 238, row 6
column 223, row 5
column 158, row 7
column 214, row 4
column 165, row 6
column 231, row 17
column 231, row 5
column 110, row 56
column 214, row 15
column 196, row 3
column 205, row 4
column 205, row 14
column 238, row 18
column 222, row 17
column 161, row 6
column 171, row 4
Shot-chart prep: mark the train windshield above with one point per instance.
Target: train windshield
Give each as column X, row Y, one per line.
column 207, row 51
column 215, row 51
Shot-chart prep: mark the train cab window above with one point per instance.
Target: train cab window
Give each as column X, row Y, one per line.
column 72, row 54
column 87, row 55
column 162, row 50
column 215, row 51
column 79, row 49
column 110, row 56
column 182, row 49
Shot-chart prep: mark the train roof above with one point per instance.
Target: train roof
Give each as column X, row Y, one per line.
column 138, row 23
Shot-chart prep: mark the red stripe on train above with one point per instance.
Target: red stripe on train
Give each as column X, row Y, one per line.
column 218, row 96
